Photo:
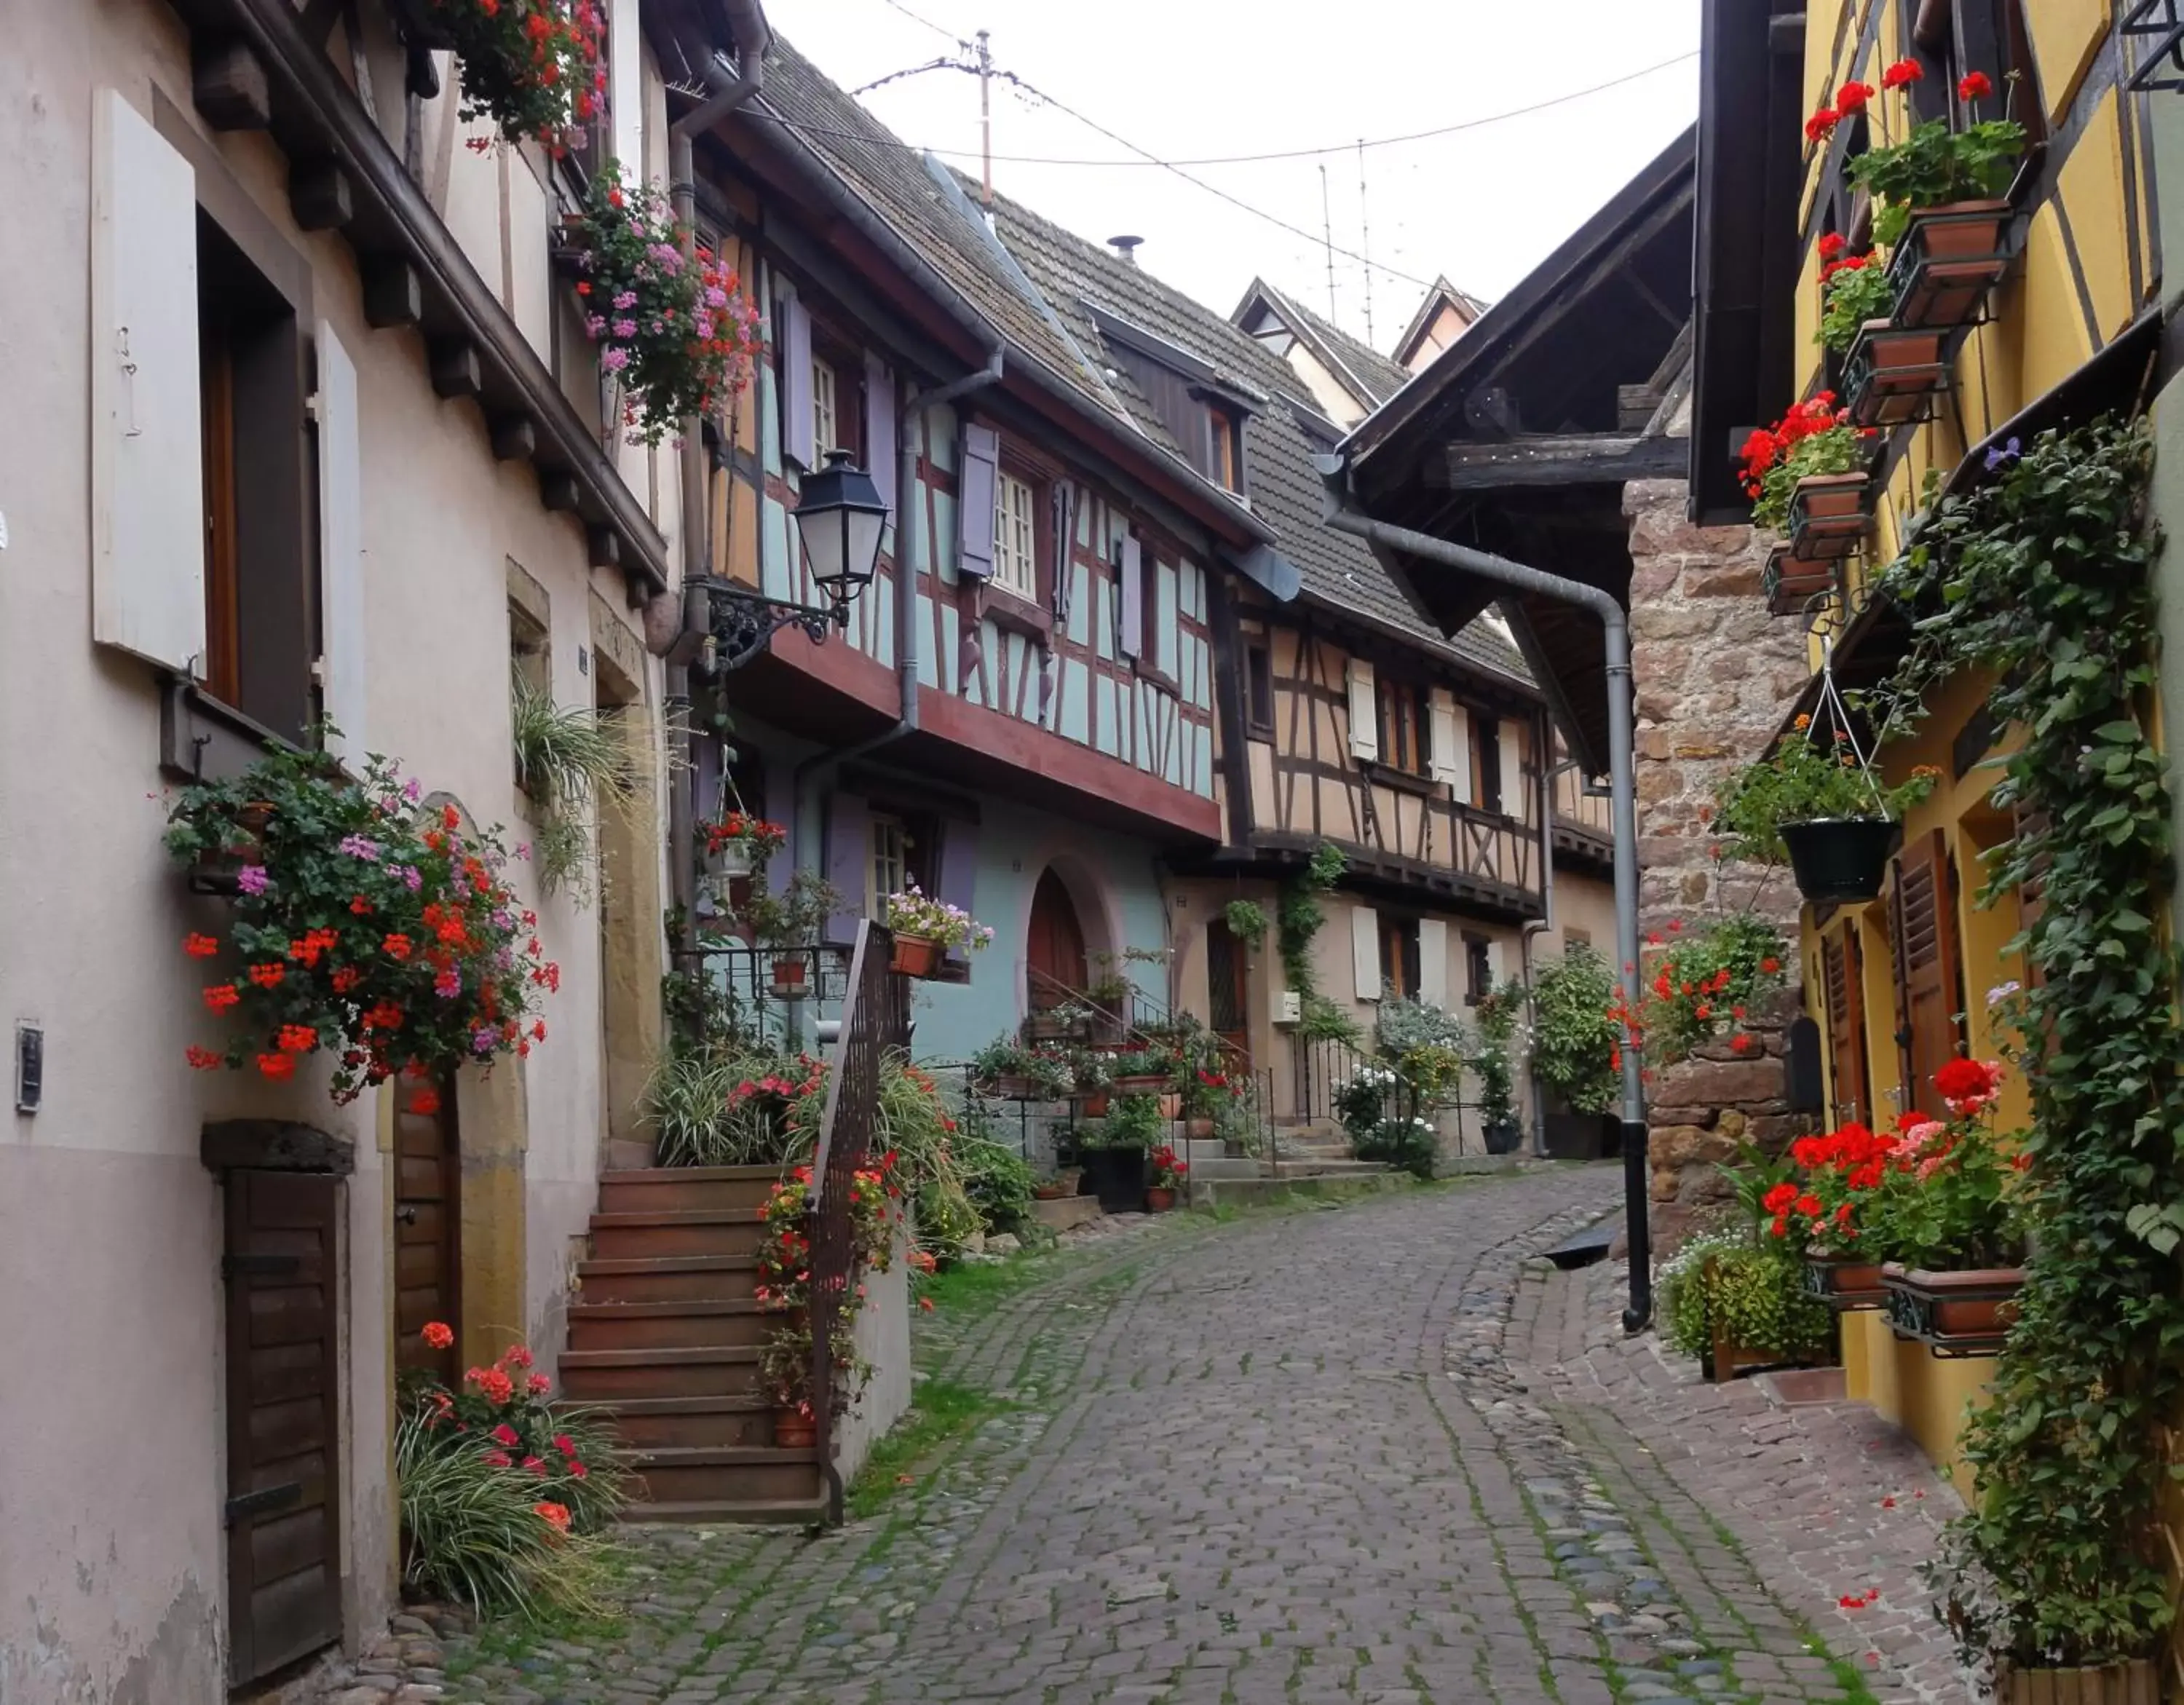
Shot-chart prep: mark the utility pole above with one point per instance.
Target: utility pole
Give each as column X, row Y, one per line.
column 1327, row 229
column 1365, row 244
column 986, row 114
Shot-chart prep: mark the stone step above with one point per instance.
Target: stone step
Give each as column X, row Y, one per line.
column 1326, row 1165
column 676, row 1325
column 733, row 1475
column 607, row 1375
column 784, row 1512
column 660, row 1190
column 705, row 1231
column 653, row 1423
column 669, row 1279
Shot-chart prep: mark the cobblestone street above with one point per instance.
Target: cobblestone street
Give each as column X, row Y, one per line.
column 1368, row 1454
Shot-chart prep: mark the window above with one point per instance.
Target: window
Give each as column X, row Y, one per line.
column 261, row 618
column 1016, row 536
column 826, row 425
column 1259, row 687
column 1399, row 955
column 1488, row 732
column 1157, row 652
column 1223, row 461
column 902, row 853
column 1403, row 737
column 1478, row 969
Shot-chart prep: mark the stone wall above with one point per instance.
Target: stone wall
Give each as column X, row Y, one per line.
column 1714, row 675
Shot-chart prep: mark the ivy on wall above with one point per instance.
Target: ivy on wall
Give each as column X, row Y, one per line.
column 2041, row 580
column 1298, row 919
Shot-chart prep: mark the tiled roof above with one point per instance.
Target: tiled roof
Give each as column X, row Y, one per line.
column 947, row 231
column 1378, row 376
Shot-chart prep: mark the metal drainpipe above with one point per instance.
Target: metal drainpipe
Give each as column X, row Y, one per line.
column 1616, row 626
column 676, row 623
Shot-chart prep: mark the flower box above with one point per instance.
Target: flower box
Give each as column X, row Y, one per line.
column 1950, row 259
column 916, row 956
column 1827, row 517
column 1050, row 1027
column 1844, row 1282
column 1141, row 1085
column 1894, row 376
column 2133, row 1683
column 791, row 977
column 1966, row 1314
column 1790, row 585
column 1839, row 860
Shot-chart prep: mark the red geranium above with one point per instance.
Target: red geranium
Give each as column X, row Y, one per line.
column 1903, row 73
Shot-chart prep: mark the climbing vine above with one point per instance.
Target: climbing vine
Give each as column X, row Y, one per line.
column 1298, row 918
column 2039, row 580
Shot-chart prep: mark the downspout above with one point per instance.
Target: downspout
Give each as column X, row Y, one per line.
column 1616, row 624
column 676, row 623
column 909, row 535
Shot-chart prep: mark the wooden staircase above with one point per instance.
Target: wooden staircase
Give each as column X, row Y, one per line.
column 664, row 1339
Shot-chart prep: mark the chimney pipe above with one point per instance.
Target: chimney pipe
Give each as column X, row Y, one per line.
column 1126, row 246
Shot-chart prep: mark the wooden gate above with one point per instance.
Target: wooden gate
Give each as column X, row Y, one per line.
column 283, row 1508
column 1929, row 968
column 428, row 1234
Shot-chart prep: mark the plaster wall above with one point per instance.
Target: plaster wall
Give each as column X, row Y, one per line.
column 113, row 1579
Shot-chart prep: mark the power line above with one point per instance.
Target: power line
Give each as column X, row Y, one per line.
column 943, row 64
column 919, row 17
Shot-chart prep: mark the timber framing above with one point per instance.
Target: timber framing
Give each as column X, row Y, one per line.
column 345, row 173
column 1546, row 460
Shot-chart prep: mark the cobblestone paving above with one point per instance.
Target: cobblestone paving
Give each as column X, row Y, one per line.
column 1299, row 1457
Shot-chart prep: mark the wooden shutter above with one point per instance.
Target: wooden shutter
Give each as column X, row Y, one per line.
column 1433, row 962
column 1494, row 970
column 1130, row 599
column 340, row 550
column 147, row 448
column 881, row 451
column 978, row 466
column 797, row 422
column 1929, row 968
column 1063, row 497
column 1848, row 1082
column 1364, row 713
column 284, row 1447
column 1365, row 952
column 1450, row 745
column 1512, row 771
column 848, row 864
column 958, row 881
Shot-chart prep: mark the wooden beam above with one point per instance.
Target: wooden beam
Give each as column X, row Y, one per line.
column 560, row 492
column 605, row 547
column 454, row 365
column 1590, row 460
column 515, row 439
column 228, row 81
column 393, row 294
column 319, row 196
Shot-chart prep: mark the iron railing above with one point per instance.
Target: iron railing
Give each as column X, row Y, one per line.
column 875, row 1019
column 1324, row 1067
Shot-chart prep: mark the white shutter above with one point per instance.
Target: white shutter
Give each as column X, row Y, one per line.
column 1450, row 743
column 1433, row 962
column 1365, row 951
column 1494, row 965
column 340, row 550
column 147, row 448
column 1512, row 772
column 1364, row 714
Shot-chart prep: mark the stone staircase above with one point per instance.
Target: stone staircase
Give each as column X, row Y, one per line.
column 664, row 1339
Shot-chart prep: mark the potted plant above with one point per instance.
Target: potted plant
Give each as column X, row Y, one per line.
column 1247, row 921
column 925, row 930
column 536, row 68
column 1017, row 1073
column 1837, row 1206
column 368, row 927
column 1141, row 1072
column 1114, row 1155
column 1497, row 1013
column 739, row 844
column 1806, row 475
column 1164, row 1177
column 788, row 923
column 1094, row 1076
column 1706, row 982
column 1812, row 803
column 1735, row 1301
column 1937, row 173
column 1203, row 1092
column 678, row 334
column 1065, row 1022
column 1958, row 1235
column 1576, row 1046
column 1855, row 291
column 784, row 1290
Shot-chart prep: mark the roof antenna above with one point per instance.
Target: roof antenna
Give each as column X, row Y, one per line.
column 1365, row 228
column 1327, row 226
column 986, row 116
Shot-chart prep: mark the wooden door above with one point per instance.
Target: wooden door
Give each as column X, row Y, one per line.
column 1929, row 968
column 1227, row 985
column 1055, row 950
column 428, row 1233
column 283, row 1508
column 1841, row 966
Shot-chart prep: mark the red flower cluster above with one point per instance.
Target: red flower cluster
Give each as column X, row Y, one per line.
column 744, row 828
column 1765, row 448
column 535, row 67
column 439, row 1334
column 1974, row 85
column 1968, row 1085
column 1903, row 73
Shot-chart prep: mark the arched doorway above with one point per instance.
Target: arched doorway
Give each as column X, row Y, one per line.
column 1054, row 948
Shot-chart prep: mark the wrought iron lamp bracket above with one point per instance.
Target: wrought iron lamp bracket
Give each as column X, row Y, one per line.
column 742, row 623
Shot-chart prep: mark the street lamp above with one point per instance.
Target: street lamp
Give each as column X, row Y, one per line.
column 839, row 518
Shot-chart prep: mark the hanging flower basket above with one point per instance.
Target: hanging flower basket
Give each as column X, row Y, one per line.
column 1837, row 859
column 916, row 956
column 536, row 68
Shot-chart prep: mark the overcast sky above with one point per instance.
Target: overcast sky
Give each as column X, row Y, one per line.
column 1189, row 79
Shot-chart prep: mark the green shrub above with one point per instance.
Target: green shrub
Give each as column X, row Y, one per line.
column 1755, row 1293
column 1411, row 1144
column 997, row 1182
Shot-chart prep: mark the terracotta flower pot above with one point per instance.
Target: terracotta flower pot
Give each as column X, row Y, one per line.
column 1159, row 1199
column 1171, row 1105
column 1889, row 346
column 1142, row 1085
column 916, row 956
column 1055, row 1191
column 1093, row 1103
column 1967, row 1311
column 1844, row 1282
column 1199, row 1130
column 793, row 1430
column 1825, row 495
column 789, row 977
column 2109, row 1683
column 1959, row 230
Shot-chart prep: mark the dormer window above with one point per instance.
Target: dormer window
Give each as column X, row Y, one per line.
column 1225, row 466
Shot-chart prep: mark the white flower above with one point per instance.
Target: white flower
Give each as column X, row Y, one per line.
column 2000, row 993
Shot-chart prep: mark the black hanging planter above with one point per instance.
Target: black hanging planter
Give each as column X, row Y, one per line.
column 1839, row 859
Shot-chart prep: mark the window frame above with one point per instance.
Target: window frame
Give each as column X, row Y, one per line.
column 1477, row 967
column 825, row 420
column 1258, row 681
column 1403, row 959
column 1489, row 785
column 1405, row 728
column 1006, row 481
